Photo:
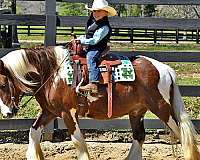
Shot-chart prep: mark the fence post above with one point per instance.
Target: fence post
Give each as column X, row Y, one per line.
column 29, row 30
column 15, row 42
column 50, row 28
column 155, row 36
column 197, row 37
column 177, row 36
column 131, row 35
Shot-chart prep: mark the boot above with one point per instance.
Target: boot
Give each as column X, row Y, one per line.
column 89, row 87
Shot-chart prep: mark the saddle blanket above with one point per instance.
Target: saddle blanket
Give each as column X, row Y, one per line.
column 121, row 73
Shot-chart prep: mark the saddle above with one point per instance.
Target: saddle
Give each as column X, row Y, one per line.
column 105, row 63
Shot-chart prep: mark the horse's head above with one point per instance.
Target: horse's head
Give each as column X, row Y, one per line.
column 9, row 95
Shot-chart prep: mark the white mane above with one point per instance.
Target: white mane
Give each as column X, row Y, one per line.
column 63, row 60
column 17, row 63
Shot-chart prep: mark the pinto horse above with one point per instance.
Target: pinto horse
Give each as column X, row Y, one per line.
column 42, row 71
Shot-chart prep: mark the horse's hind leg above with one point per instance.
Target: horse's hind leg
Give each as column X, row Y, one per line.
column 178, row 121
column 187, row 131
column 71, row 121
column 137, row 125
column 34, row 151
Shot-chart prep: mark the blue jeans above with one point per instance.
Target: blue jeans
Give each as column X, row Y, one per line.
column 94, row 72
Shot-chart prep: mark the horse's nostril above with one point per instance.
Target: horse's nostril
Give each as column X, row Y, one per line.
column 9, row 115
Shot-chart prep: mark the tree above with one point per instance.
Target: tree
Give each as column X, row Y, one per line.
column 180, row 11
column 128, row 10
column 6, row 3
column 149, row 10
column 72, row 9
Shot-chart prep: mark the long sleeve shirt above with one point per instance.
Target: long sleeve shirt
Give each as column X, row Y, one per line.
column 98, row 36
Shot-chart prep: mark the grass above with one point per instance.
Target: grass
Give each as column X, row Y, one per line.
column 188, row 81
column 150, row 115
column 29, row 111
column 154, row 47
column 187, row 73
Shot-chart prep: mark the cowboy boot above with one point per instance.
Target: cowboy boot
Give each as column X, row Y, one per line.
column 89, row 87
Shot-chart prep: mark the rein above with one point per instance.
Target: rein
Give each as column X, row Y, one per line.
column 57, row 69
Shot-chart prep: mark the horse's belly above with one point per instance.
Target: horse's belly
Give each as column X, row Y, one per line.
column 120, row 107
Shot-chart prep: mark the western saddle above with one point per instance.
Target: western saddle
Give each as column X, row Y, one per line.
column 105, row 62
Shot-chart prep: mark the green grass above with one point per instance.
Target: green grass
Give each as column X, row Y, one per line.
column 29, row 111
column 192, row 106
column 188, row 81
column 154, row 47
column 185, row 68
column 150, row 115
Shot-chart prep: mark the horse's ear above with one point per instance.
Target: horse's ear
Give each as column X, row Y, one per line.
column 2, row 68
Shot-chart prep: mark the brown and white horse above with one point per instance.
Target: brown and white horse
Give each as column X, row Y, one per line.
column 154, row 89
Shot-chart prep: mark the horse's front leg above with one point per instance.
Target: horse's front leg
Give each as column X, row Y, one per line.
column 71, row 121
column 34, row 151
column 137, row 126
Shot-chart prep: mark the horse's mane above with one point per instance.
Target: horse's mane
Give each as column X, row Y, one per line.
column 41, row 61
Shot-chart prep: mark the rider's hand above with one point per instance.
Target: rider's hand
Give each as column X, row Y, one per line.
column 77, row 41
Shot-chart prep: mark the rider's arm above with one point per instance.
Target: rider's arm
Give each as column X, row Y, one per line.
column 98, row 36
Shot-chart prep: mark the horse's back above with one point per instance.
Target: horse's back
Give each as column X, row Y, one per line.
column 146, row 72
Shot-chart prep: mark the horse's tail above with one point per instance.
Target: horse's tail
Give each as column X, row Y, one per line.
column 187, row 131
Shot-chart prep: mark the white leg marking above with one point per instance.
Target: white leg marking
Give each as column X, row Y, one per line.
column 78, row 140
column 172, row 124
column 135, row 151
column 5, row 110
column 34, row 151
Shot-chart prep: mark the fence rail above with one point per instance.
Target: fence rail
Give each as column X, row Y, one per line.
column 123, row 34
column 157, row 2
column 116, row 22
column 25, row 124
column 129, row 26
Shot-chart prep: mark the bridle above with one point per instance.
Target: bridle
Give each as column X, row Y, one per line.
column 12, row 96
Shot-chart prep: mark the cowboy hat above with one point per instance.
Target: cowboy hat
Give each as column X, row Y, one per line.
column 102, row 5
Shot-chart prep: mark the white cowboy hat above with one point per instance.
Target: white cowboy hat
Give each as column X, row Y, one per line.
column 102, row 5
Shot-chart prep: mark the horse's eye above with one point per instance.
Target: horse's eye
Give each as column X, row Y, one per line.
column 3, row 85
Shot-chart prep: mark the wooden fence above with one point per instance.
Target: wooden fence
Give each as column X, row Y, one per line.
column 123, row 34
column 121, row 124
column 51, row 21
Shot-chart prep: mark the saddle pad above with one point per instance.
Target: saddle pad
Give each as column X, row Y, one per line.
column 69, row 70
column 123, row 72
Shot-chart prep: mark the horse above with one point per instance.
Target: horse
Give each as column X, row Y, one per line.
column 42, row 71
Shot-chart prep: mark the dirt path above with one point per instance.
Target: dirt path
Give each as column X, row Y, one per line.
column 155, row 147
column 98, row 151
